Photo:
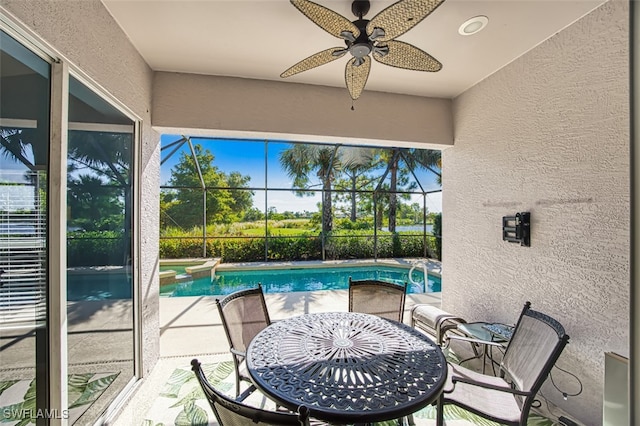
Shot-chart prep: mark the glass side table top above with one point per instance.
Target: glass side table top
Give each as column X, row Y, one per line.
column 487, row 331
column 499, row 331
column 347, row 367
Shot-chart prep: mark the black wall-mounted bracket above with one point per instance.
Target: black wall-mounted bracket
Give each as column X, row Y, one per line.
column 517, row 229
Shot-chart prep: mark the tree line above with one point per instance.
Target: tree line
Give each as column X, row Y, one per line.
column 359, row 179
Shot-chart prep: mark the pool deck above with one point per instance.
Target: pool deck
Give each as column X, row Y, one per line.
column 192, row 326
column 433, row 266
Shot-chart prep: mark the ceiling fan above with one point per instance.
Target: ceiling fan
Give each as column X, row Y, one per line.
column 363, row 37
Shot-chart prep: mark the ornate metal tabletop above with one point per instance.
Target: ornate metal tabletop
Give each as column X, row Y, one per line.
column 347, row 367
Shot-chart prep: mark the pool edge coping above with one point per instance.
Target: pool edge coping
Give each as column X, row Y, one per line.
column 433, row 266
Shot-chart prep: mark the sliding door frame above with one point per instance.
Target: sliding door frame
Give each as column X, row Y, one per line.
column 61, row 70
column 57, row 242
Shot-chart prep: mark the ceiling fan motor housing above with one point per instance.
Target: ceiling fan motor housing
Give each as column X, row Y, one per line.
column 360, row 7
column 362, row 46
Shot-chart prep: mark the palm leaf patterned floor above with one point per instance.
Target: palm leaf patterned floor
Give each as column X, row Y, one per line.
column 18, row 397
column 181, row 402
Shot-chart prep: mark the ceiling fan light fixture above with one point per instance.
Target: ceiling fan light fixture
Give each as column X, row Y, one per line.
column 360, row 49
column 473, row 25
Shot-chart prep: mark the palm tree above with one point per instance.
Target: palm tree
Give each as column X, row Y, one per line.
column 107, row 156
column 300, row 160
column 29, row 147
column 428, row 159
column 95, row 204
column 355, row 163
column 16, row 144
column 412, row 159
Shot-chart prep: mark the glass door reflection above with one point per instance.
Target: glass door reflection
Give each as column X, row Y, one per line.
column 24, row 148
column 99, row 252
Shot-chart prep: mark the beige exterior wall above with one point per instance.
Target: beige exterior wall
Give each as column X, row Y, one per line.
column 86, row 34
column 548, row 134
column 229, row 106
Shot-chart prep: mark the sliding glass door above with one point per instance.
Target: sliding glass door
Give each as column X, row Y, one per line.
column 87, row 312
column 24, row 162
column 99, row 252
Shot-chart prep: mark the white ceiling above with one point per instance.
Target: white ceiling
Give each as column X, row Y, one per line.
column 261, row 38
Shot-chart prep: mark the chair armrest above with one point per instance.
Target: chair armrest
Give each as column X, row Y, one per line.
column 238, row 353
column 472, row 340
column 246, row 393
column 468, row 381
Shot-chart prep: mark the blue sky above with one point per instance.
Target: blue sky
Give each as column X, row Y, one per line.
column 247, row 157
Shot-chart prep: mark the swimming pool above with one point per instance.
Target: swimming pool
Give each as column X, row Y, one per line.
column 300, row 279
column 93, row 284
column 180, row 269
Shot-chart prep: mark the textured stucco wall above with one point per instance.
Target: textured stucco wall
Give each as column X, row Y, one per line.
column 297, row 111
column 548, row 134
column 86, row 34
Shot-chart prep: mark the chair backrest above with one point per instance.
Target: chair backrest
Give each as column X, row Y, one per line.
column 536, row 344
column 244, row 314
column 379, row 298
column 233, row 413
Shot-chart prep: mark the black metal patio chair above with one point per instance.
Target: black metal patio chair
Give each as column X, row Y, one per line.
column 536, row 343
column 379, row 298
column 230, row 412
column 244, row 314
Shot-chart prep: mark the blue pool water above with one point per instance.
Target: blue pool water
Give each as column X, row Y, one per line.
column 301, row 279
column 99, row 286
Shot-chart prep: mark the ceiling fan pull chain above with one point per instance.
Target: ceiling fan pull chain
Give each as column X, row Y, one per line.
column 352, row 108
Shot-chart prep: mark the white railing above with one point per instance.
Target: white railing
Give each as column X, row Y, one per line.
column 421, row 286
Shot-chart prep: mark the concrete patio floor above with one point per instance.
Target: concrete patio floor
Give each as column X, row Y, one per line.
column 192, row 326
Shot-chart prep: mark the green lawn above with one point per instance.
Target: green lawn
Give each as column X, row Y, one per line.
column 277, row 228
column 276, row 232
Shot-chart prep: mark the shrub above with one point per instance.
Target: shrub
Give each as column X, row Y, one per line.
column 176, row 248
column 346, row 223
column 349, row 245
column 408, row 245
column 437, row 231
column 96, row 248
column 340, row 244
column 303, row 247
column 237, row 249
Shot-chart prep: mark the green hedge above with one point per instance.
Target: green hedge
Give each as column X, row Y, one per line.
column 106, row 247
column 306, row 247
column 180, row 248
column 339, row 245
column 96, row 248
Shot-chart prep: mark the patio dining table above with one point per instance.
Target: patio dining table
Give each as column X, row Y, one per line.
column 347, row 367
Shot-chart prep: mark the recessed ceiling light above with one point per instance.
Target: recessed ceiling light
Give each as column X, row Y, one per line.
column 473, row 25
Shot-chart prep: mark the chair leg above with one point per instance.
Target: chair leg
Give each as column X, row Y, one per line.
column 440, row 411
column 236, row 364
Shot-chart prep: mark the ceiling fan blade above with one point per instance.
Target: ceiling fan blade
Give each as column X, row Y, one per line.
column 356, row 75
column 315, row 60
column 330, row 21
column 407, row 56
column 400, row 17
